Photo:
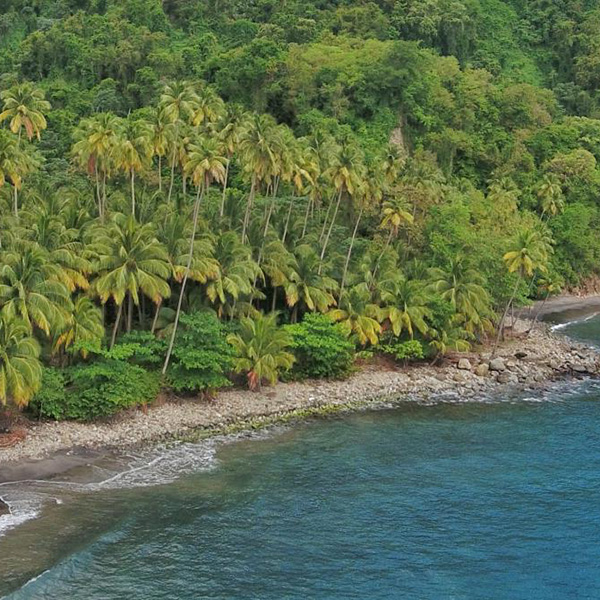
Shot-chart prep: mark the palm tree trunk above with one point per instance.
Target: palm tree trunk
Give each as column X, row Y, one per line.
column 172, row 178
column 129, row 312
column 323, row 229
column 504, row 315
column 271, row 208
column 155, row 320
column 222, row 209
column 306, row 214
column 287, row 219
column 185, row 277
column 537, row 314
column 326, row 242
column 387, row 245
column 133, row 192
column 116, row 325
column 103, row 194
column 274, row 301
column 349, row 255
column 98, row 192
column 159, row 173
column 16, row 202
column 248, row 208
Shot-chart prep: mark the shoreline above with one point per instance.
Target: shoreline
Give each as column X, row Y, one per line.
column 522, row 363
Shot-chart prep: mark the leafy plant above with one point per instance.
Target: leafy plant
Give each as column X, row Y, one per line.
column 321, row 348
column 261, row 350
column 411, row 350
column 202, row 358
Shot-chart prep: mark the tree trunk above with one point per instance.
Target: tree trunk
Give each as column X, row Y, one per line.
column 537, row 314
column 116, row 325
column 159, row 173
column 129, row 312
column 222, row 209
column 287, row 219
column 274, row 301
column 98, row 192
column 349, row 255
column 504, row 315
column 103, row 194
column 324, row 228
column 185, row 276
column 248, row 209
column 155, row 320
column 16, row 202
column 133, row 193
column 172, row 178
column 305, row 226
column 387, row 245
column 326, row 242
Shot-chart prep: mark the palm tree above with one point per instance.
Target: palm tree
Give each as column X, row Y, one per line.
column 305, row 286
column 261, row 349
column 20, row 368
column 129, row 260
column 462, row 286
column 205, row 165
column 359, row 316
column 32, row 289
column 259, row 150
column 235, row 121
column 549, row 285
column 25, row 107
column 162, row 137
column 12, row 164
column 133, row 150
column 530, row 253
column 84, row 328
column 94, row 149
column 179, row 102
column 405, row 306
column 209, row 107
column 347, row 175
column 237, row 272
column 395, row 214
column 551, row 197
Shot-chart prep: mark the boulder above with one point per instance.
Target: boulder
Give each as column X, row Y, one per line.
column 497, row 364
column 4, row 508
column 464, row 364
column 482, row 370
column 507, row 378
column 579, row 368
column 520, row 355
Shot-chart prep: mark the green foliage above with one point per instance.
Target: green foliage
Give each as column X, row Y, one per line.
column 411, row 350
column 202, row 358
column 321, row 348
column 94, row 390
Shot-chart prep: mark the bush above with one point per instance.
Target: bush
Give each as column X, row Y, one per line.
column 202, row 358
column 321, row 347
column 90, row 391
column 104, row 387
column 141, row 348
column 405, row 352
column 51, row 400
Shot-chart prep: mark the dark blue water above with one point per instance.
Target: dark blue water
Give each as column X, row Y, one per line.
column 468, row 501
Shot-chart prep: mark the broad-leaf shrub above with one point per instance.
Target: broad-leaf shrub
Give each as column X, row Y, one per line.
column 321, row 347
column 202, row 358
column 411, row 350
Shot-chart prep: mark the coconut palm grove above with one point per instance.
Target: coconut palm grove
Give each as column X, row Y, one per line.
column 203, row 193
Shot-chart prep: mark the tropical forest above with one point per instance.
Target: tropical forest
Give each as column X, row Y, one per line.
column 196, row 194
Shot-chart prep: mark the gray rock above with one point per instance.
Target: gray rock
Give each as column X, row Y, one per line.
column 497, row 364
column 482, row 370
column 507, row 378
column 459, row 378
column 464, row 364
column 579, row 368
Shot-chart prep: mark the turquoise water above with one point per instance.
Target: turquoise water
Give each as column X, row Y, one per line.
column 453, row 501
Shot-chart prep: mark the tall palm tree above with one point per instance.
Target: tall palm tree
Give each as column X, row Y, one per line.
column 25, row 107
column 529, row 253
column 130, row 260
column 20, row 368
column 162, row 137
column 462, row 286
column 395, row 214
column 179, row 102
column 205, row 165
column 551, row 197
column 261, row 349
column 94, row 150
column 306, row 287
column 359, row 316
column 209, row 107
column 32, row 289
column 234, row 122
column 84, row 326
column 405, row 306
column 347, row 175
column 12, row 164
column 133, row 150
column 259, row 152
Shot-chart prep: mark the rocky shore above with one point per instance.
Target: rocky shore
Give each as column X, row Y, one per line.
column 527, row 362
